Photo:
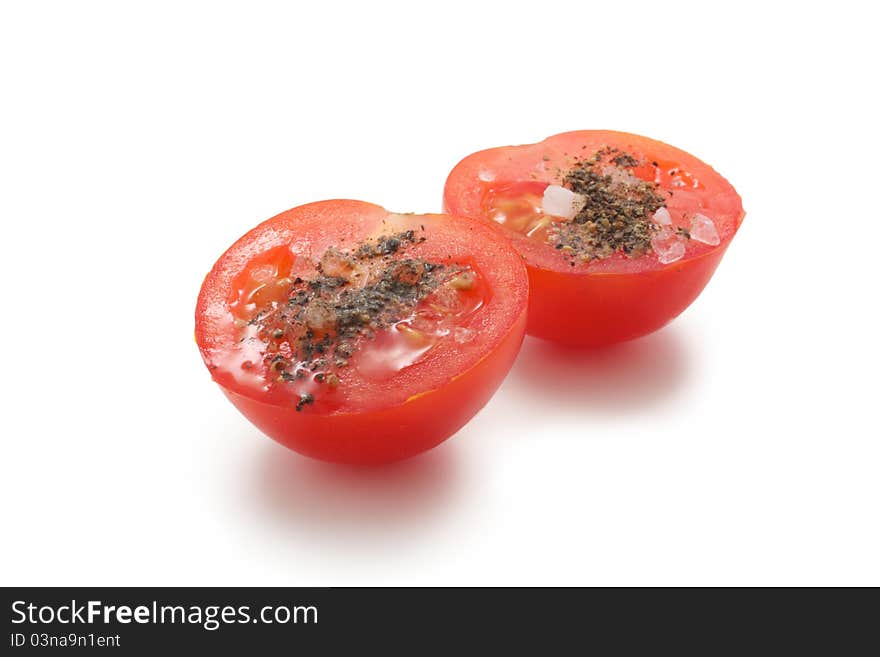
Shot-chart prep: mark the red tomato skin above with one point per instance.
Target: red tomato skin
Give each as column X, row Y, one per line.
column 385, row 434
column 594, row 309
column 391, row 434
column 613, row 307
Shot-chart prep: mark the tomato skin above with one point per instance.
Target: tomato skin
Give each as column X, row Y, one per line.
column 613, row 307
column 395, row 426
column 390, row 434
column 602, row 302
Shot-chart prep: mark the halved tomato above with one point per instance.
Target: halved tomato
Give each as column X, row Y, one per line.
column 620, row 233
column 355, row 335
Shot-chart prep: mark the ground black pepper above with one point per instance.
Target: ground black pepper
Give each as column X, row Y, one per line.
column 618, row 210
column 305, row 400
column 317, row 330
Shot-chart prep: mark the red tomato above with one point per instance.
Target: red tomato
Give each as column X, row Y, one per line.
column 355, row 335
column 591, row 301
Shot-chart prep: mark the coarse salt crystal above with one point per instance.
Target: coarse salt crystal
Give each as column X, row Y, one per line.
column 668, row 246
column 562, row 202
column 662, row 217
column 622, row 176
column 703, row 230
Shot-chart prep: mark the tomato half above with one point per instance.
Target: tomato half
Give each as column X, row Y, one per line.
column 351, row 334
column 646, row 228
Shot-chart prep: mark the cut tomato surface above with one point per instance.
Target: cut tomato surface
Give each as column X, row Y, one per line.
column 356, row 335
column 620, row 233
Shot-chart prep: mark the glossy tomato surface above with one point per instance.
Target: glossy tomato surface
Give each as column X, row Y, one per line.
column 598, row 301
column 355, row 335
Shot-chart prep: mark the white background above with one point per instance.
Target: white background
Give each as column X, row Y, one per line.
column 737, row 446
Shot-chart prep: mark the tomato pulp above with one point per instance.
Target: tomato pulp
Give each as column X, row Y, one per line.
column 355, row 335
column 620, row 233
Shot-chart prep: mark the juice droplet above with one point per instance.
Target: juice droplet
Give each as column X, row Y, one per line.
column 393, row 350
column 519, row 207
column 440, row 316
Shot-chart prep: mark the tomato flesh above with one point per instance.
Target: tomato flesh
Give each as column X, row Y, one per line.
column 269, row 335
column 597, row 301
column 299, row 324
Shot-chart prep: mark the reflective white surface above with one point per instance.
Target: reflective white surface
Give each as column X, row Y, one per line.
column 737, row 446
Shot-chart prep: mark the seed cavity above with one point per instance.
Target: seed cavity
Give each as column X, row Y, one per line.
column 319, row 324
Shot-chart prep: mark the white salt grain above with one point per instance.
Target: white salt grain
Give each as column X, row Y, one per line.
column 620, row 176
column 668, row 246
column 703, row 230
column 562, row 202
column 662, row 217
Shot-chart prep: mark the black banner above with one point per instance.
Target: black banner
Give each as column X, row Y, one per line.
column 326, row 621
